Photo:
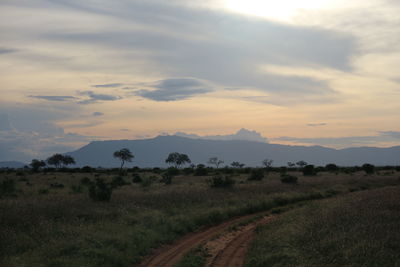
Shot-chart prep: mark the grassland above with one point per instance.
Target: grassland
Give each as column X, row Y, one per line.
column 51, row 221
column 359, row 229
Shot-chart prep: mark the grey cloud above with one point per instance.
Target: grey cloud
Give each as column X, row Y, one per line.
column 242, row 134
column 53, row 98
column 93, row 97
column 316, row 124
column 4, row 50
column 219, row 47
column 347, row 140
column 97, row 114
column 107, row 85
column 175, row 89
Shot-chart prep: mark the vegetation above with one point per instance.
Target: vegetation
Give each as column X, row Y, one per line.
column 360, row 229
column 215, row 161
column 177, row 159
column 124, row 155
column 45, row 225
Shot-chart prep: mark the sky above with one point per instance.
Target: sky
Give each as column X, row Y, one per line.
column 294, row 72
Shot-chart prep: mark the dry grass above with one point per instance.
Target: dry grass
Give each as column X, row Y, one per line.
column 46, row 226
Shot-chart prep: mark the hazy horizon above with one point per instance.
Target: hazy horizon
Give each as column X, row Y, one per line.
column 294, row 72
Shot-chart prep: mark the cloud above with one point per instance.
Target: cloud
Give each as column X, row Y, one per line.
column 389, row 137
column 317, row 124
column 175, row 89
column 53, row 98
column 93, row 97
column 107, row 85
column 4, row 50
column 97, row 114
column 242, row 134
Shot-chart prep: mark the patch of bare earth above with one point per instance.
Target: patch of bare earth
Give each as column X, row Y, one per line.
column 229, row 248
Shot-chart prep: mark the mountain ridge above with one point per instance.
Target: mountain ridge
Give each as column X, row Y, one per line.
column 153, row 152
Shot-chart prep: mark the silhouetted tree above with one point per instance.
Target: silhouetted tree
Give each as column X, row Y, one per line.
column 301, row 163
column 237, row 164
column 124, row 155
column 67, row 160
column 368, row 168
column 331, row 167
column 177, row 159
column 291, row 164
column 37, row 164
column 56, row 160
column 215, row 161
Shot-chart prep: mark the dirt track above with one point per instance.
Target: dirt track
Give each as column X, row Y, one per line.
column 228, row 254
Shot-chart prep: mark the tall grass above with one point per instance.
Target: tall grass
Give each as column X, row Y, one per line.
column 360, row 229
column 67, row 228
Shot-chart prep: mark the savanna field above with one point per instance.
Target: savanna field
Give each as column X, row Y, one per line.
column 64, row 218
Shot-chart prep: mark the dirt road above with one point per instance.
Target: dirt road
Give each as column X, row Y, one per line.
column 228, row 253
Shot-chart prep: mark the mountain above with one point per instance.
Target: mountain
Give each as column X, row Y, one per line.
column 12, row 164
column 153, row 152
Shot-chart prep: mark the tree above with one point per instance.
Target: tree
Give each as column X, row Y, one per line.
column 291, row 164
column 215, row 161
column 267, row 163
column 177, row 159
column 368, row 168
column 67, row 160
column 124, row 155
column 301, row 163
column 237, row 164
column 331, row 167
column 37, row 164
column 56, row 160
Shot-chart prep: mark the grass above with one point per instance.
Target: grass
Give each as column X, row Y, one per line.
column 196, row 257
column 43, row 225
column 360, row 229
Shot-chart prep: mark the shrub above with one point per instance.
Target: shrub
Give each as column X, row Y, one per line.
column 85, row 181
column 148, row 181
column 87, row 169
column 309, row 170
column 118, row 181
column 173, row 171
column 368, row 168
column 43, row 191
column 100, row 191
column 288, row 179
column 56, row 185
column 136, row 178
column 76, row 189
column 256, row 175
column 201, row 170
column 221, row 181
column 331, row 167
column 166, row 178
column 8, row 187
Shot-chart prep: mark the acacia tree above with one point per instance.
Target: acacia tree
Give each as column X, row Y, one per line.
column 56, row 160
column 124, row 155
column 237, row 164
column 267, row 164
column 37, row 164
column 59, row 160
column 177, row 159
column 301, row 163
column 215, row 161
column 67, row 160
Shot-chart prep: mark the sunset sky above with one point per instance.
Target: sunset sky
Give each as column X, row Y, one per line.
column 297, row 72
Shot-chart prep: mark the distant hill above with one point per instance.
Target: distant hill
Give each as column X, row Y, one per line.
column 12, row 164
column 153, row 152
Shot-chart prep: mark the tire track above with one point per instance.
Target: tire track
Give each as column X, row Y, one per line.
column 167, row 256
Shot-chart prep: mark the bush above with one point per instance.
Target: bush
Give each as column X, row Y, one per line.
column 56, row 185
column 8, row 187
column 136, row 178
column 288, row 179
column 166, row 178
column 331, row 167
column 173, row 171
column 309, row 170
column 221, row 181
column 148, row 181
column 85, row 181
column 76, row 189
column 368, row 168
column 256, row 175
column 100, row 191
column 87, row 169
column 118, row 181
column 201, row 170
